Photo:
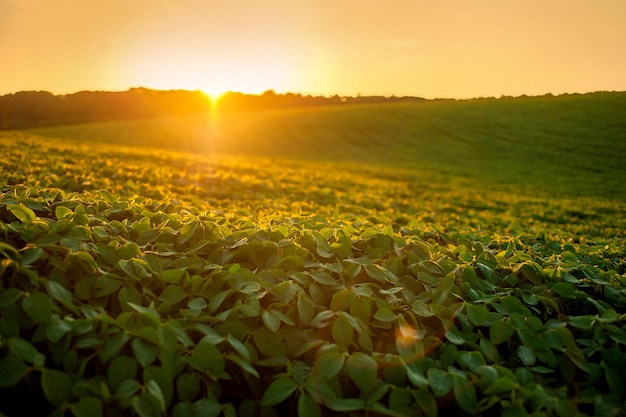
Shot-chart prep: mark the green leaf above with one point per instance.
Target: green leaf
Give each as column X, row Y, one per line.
column 164, row 377
column 245, row 365
column 84, row 289
column 128, row 295
column 188, row 230
column 38, row 307
column 31, row 255
column 440, row 381
column 433, row 268
column 477, row 313
column 23, row 213
column 188, row 387
column 489, row 350
column 145, row 352
column 113, row 346
column 269, row 343
column 207, row 350
column 206, row 408
column 564, row 289
column 385, row 314
column 343, row 404
column 322, row 249
column 150, row 314
column 501, row 331
column 487, row 272
column 465, row 394
column 401, row 399
column 106, row 284
column 61, row 294
column 56, row 329
column 239, row 347
column 173, row 294
column 473, row 360
column 155, row 390
column 121, row 368
column 362, row 369
column 127, row 388
column 532, row 271
column 9, row 296
column 251, row 307
column 271, row 321
column 361, row 307
column 323, row 278
column 146, row 405
column 342, row 300
column 307, row 407
column 173, row 276
column 328, row 365
column 415, row 375
column 136, row 268
column 57, row 387
column 500, row 385
column 23, row 349
column 422, row 309
column 454, row 338
column 341, row 331
column 306, row 310
column 426, row 402
column 87, row 407
column 526, row 355
column 11, row 371
column 278, row 391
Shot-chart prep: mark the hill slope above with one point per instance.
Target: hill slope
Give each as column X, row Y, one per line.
column 572, row 144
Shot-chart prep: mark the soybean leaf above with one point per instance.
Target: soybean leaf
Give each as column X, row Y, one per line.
column 440, row 381
column 87, row 407
column 328, row 365
column 362, row 369
column 502, row 384
column 57, row 387
column 173, row 294
column 121, row 368
column 342, row 299
column 145, row 352
column 342, row 331
column 465, row 394
column 23, row 213
column 12, row 370
column 38, row 307
column 307, row 407
column 269, row 343
column 278, row 391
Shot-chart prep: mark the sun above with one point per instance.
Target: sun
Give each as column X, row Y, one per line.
column 249, row 75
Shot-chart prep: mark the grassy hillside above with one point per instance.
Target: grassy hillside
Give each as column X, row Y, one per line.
column 568, row 145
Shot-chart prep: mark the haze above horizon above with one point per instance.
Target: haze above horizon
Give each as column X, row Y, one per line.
column 449, row 49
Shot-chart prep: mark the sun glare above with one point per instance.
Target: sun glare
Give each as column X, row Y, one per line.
column 214, row 75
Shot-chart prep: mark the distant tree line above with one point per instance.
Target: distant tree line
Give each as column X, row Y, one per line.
column 40, row 108
column 269, row 99
column 28, row 109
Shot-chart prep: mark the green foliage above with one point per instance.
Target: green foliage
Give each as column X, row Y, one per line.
column 136, row 282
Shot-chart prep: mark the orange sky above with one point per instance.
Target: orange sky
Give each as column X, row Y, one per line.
column 443, row 48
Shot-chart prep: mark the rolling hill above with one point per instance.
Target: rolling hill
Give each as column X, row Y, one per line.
column 569, row 145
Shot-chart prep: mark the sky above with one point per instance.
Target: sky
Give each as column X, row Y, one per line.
column 426, row 48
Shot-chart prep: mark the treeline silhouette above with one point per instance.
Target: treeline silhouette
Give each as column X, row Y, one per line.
column 28, row 109
column 40, row 108
column 269, row 99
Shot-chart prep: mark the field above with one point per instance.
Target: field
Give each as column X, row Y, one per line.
column 419, row 258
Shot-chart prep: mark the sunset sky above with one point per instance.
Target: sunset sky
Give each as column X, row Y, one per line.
column 427, row 48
